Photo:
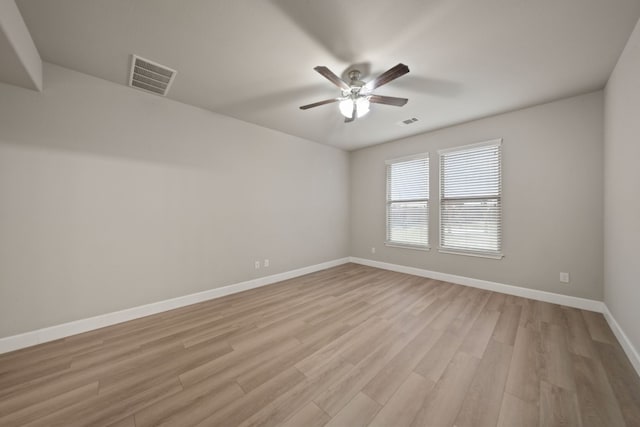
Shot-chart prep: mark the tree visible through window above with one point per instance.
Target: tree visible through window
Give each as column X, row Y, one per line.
column 408, row 201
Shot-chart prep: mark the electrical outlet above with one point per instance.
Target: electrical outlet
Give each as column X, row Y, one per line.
column 266, row 263
column 256, row 265
column 564, row 277
column 373, row 250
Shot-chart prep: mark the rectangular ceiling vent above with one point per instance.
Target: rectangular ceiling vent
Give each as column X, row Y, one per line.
column 407, row 122
column 150, row 76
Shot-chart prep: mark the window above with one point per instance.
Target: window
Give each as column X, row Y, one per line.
column 408, row 202
column 470, row 199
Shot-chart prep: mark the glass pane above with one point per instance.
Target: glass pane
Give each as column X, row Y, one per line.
column 409, row 180
column 471, row 173
column 408, row 223
column 471, row 225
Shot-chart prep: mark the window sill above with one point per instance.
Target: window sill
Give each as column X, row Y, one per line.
column 472, row 254
column 401, row 246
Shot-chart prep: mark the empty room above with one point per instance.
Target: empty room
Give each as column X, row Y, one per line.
column 319, row 213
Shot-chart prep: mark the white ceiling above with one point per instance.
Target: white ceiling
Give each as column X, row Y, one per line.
column 254, row 60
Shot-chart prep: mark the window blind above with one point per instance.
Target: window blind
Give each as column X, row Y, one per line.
column 470, row 199
column 408, row 201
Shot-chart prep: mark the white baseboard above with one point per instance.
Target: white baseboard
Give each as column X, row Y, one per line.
column 627, row 346
column 40, row 336
column 582, row 303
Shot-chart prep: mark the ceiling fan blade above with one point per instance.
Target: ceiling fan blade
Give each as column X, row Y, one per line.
column 329, row 75
column 353, row 114
column 319, row 103
column 388, row 100
column 387, row 76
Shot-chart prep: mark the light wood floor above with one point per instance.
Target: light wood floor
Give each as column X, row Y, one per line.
column 349, row 346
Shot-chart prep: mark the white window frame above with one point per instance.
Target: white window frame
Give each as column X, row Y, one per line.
column 389, row 202
column 461, row 251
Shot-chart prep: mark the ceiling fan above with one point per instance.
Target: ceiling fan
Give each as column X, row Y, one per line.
column 356, row 95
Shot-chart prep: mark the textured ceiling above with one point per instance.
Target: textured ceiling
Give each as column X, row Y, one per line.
column 254, row 60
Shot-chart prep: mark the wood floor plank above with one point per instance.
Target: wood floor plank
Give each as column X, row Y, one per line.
column 17, row 375
column 623, row 380
column 528, row 318
column 523, row 380
column 558, row 406
column 238, row 361
column 448, row 293
column 429, row 296
column 442, row 404
column 125, row 422
column 104, row 410
column 362, row 332
column 309, row 416
column 507, row 325
column 303, row 306
column 240, row 409
column 555, row 359
column 394, row 373
column 598, row 328
column 578, row 337
column 330, row 330
column 259, row 337
column 476, row 340
column 404, row 403
column 68, row 380
column 481, row 406
column 517, row 412
column 287, row 403
column 347, row 346
column 335, row 397
column 190, row 405
column 367, row 342
column 445, row 319
column 496, row 302
column 261, row 373
column 67, row 347
column 45, row 407
column 598, row 404
column 164, row 367
column 217, row 333
column 357, row 413
column 548, row 313
column 436, row 360
column 476, row 302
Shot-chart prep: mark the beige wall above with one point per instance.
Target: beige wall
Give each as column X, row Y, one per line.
column 111, row 198
column 552, row 198
column 622, row 191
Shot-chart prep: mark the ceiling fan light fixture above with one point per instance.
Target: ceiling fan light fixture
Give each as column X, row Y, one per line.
column 362, row 107
column 357, row 95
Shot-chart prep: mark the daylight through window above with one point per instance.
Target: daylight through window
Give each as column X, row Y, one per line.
column 408, row 201
column 470, row 199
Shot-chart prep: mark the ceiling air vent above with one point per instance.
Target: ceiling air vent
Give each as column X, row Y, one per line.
column 150, row 76
column 407, row 122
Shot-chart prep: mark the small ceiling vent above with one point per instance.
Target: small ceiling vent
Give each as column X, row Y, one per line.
column 407, row 122
column 150, row 76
